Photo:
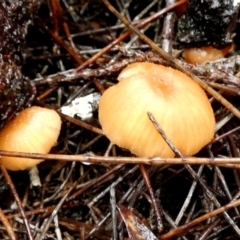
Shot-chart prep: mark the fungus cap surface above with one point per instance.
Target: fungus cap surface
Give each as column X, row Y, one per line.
column 179, row 105
column 34, row 130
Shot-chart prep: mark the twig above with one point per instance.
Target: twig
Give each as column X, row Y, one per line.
column 128, row 33
column 157, row 161
column 54, row 213
column 180, row 230
column 18, row 201
column 168, row 29
column 209, row 194
column 153, row 199
column 7, row 226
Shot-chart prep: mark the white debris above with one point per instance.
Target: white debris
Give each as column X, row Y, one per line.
column 82, row 107
column 14, row 206
column 235, row 2
column 34, row 177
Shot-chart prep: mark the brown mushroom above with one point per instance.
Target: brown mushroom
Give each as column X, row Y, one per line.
column 178, row 103
column 34, row 130
column 205, row 54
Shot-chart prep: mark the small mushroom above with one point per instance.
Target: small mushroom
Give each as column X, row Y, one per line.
column 178, row 104
column 205, row 54
column 34, row 130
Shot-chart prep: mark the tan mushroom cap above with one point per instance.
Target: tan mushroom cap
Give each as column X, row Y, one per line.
column 179, row 105
column 205, row 54
column 34, row 130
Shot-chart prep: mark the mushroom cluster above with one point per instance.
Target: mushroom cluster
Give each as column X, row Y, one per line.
column 34, row 130
column 179, row 105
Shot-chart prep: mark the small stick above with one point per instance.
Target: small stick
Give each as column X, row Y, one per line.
column 7, row 225
column 157, row 161
column 193, row 173
column 180, row 230
column 18, row 201
column 128, row 33
column 153, row 199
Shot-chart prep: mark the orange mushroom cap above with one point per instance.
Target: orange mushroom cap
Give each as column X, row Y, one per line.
column 34, row 130
column 205, row 54
column 178, row 104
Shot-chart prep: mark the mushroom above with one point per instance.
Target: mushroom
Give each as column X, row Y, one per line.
column 178, row 104
column 205, row 54
column 34, row 130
